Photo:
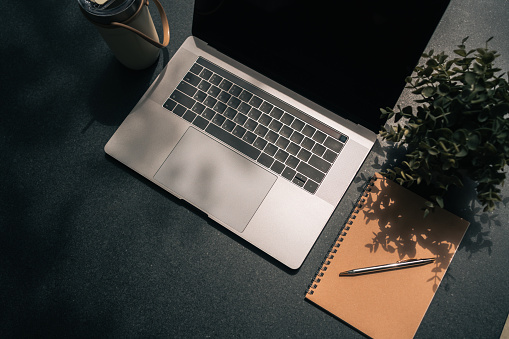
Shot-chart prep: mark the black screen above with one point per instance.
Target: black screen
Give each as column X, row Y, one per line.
column 349, row 56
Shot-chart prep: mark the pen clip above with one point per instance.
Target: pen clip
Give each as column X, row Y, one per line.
column 406, row 260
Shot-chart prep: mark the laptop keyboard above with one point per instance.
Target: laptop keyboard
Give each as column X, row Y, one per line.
column 276, row 135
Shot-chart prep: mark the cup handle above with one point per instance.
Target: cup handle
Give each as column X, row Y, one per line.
column 164, row 21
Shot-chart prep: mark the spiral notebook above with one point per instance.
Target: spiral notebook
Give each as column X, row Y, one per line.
column 387, row 225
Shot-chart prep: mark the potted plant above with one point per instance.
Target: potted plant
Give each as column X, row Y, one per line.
column 459, row 127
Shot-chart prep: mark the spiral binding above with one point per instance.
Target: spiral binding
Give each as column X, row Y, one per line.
column 341, row 235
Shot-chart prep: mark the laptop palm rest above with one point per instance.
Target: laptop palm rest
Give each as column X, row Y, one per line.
column 217, row 180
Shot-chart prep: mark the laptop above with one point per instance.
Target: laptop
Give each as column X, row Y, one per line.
column 263, row 116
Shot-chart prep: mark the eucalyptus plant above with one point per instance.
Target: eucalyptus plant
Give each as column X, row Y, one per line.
column 459, row 127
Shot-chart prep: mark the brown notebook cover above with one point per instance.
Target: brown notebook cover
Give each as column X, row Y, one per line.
column 386, row 226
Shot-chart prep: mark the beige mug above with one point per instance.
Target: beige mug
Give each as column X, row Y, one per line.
column 127, row 27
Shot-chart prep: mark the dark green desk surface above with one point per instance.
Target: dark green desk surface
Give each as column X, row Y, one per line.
column 90, row 249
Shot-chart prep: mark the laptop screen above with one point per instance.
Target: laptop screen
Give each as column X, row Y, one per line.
column 350, row 57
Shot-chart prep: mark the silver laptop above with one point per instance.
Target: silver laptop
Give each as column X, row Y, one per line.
column 263, row 117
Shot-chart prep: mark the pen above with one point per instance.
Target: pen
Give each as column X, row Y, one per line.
column 394, row 266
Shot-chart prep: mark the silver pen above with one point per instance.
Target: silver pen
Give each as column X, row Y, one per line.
column 394, row 266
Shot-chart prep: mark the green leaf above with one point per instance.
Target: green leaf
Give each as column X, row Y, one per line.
column 470, row 78
column 473, row 141
column 443, row 89
column 440, row 201
column 460, row 52
column 488, row 58
column 428, row 92
column 462, row 153
column 433, row 151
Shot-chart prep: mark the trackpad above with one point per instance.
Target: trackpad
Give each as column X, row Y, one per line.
column 212, row 177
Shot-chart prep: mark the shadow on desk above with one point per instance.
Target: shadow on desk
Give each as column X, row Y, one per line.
column 461, row 201
column 116, row 93
column 218, row 227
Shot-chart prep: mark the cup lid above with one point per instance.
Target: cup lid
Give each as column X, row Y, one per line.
column 107, row 11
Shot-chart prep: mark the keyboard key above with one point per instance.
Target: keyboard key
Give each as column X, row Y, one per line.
column 319, row 163
column 304, row 155
column 282, row 142
column 235, row 90
column 245, row 96
column 209, row 102
column 299, row 179
column 239, row 131
column 200, row 122
column 261, row 130
column 330, row 156
column 260, row 143
column 198, row 108
column 184, row 87
column 288, row 173
column 275, row 125
column 179, row 110
column 206, row 74
column 250, row 125
column 183, row 99
column 244, row 108
column 286, row 131
column 333, row 144
column 189, row 115
column 311, row 186
column 308, row 131
column 230, row 113
column 230, row 140
column 318, row 149
column 255, row 101
column 240, row 119
column 224, row 97
column 276, row 113
column 214, row 91
column 319, row 136
column 208, row 113
column 271, row 136
column 215, row 79
column 193, row 79
column 281, row 155
column 219, row 107
column 287, row 119
column 277, row 167
column 228, row 125
column 265, row 160
column 265, row 120
column 254, row 113
column 292, row 161
column 265, row 107
column 225, row 85
column 200, row 96
column 218, row 119
column 297, row 125
column 310, row 172
column 296, row 137
column 293, row 148
column 234, row 102
column 270, row 149
column 196, row 69
column 249, row 137
column 307, row 144
column 204, row 85
column 170, row 104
